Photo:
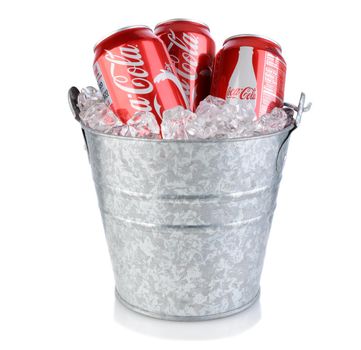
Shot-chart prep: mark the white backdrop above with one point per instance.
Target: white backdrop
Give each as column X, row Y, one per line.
column 56, row 282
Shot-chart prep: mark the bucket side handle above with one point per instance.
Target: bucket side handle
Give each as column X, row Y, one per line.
column 281, row 155
column 300, row 109
column 73, row 94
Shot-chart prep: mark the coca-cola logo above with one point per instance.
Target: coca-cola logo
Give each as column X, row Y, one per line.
column 246, row 93
column 168, row 74
column 186, row 63
column 135, row 82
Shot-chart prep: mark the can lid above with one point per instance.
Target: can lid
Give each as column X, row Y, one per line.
column 119, row 30
column 253, row 36
column 183, row 20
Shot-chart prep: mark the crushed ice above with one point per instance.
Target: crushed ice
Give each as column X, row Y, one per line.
column 214, row 118
column 95, row 114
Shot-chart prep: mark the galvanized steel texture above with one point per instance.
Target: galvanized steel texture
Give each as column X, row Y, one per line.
column 187, row 222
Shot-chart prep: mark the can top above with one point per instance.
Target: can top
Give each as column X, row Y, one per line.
column 120, row 30
column 253, row 36
column 182, row 20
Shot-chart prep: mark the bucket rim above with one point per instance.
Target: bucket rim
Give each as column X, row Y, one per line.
column 235, row 139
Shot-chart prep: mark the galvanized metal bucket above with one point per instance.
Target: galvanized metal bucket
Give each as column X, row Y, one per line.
column 187, row 222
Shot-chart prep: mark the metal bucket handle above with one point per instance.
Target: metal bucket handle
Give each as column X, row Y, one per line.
column 73, row 94
column 300, row 109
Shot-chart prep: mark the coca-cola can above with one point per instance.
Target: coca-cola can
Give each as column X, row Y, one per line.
column 250, row 69
column 135, row 73
column 192, row 51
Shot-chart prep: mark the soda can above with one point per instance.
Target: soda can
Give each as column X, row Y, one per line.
column 192, row 51
column 250, row 69
column 135, row 73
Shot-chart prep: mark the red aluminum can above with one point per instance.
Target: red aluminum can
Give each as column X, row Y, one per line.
column 135, row 73
column 192, row 51
column 250, row 68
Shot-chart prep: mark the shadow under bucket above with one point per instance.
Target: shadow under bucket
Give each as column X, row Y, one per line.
column 187, row 222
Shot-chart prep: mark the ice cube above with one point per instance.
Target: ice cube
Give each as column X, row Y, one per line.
column 274, row 121
column 201, row 127
column 143, row 124
column 214, row 101
column 209, row 120
column 100, row 118
column 175, row 122
column 88, row 97
column 245, row 110
column 217, row 118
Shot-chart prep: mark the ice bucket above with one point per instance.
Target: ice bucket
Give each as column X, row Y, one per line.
column 187, row 222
